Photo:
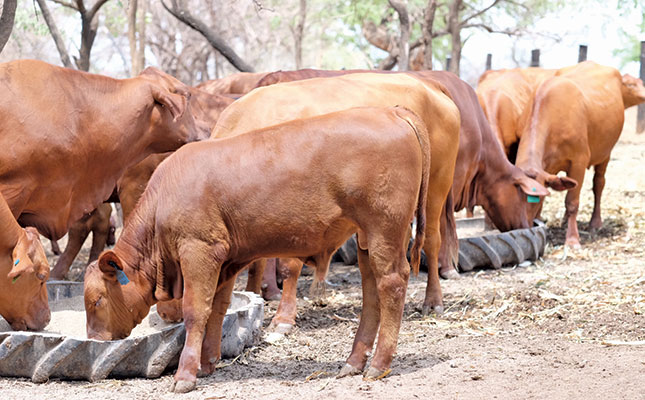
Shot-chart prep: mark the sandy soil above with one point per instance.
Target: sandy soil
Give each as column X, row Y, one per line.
column 560, row 328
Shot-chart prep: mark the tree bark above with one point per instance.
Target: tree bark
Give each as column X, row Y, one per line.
column 428, row 33
column 454, row 28
column 53, row 29
column 6, row 21
column 404, row 38
column 298, row 33
column 214, row 40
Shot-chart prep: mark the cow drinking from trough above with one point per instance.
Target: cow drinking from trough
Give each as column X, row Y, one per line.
column 298, row 189
column 576, row 119
column 68, row 135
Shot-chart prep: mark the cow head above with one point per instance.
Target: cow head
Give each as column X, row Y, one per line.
column 173, row 123
column 506, row 200
column 112, row 308
column 24, row 296
column 632, row 90
column 554, row 182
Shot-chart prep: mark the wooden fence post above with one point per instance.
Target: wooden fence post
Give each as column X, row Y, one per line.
column 489, row 61
column 535, row 58
column 640, row 118
column 582, row 53
column 448, row 63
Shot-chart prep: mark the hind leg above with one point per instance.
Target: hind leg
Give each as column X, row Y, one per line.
column 75, row 238
column 598, row 186
column 369, row 320
column 433, row 296
column 391, row 272
column 572, row 202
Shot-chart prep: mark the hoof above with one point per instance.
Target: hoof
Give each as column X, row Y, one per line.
column 427, row 310
column 281, row 327
column 182, row 386
column 449, row 273
column 573, row 243
column 271, row 296
column 205, row 370
column 348, row 370
column 374, row 374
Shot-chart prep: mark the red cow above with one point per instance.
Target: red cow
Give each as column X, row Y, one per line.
column 318, row 96
column 60, row 161
column 576, row 120
column 23, row 303
column 236, row 84
column 214, row 206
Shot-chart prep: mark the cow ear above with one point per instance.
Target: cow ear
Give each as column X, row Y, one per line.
column 560, row 183
column 530, row 186
column 175, row 103
column 109, row 262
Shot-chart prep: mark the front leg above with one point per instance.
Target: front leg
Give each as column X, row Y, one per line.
column 571, row 203
column 200, row 268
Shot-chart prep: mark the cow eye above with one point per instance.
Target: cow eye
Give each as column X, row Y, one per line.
column 98, row 302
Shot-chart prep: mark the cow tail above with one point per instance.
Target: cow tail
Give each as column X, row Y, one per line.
column 424, row 142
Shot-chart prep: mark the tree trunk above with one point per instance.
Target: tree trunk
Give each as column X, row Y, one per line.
column 428, row 24
column 53, row 29
column 404, row 38
column 137, row 42
column 6, row 21
column 454, row 28
column 215, row 40
column 90, row 24
column 298, row 33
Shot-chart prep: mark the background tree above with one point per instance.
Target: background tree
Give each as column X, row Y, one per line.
column 6, row 21
column 137, row 34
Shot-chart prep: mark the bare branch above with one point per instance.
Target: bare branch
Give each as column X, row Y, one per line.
column 53, row 29
column 215, row 41
column 96, row 8
column 6, row 21
column 428, row 28
column 480, row 12
column 404, row 38
column 80, row 6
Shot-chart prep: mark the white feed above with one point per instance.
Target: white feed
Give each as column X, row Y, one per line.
column 68, row 319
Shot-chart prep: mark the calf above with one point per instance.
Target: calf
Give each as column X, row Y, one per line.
column 576, row 120
column 298, row 189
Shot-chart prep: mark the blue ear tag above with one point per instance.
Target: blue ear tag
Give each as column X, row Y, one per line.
column 532, row 199
column 120, row 275
column 16, row 278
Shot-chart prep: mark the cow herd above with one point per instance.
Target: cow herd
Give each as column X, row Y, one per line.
column 285, row 165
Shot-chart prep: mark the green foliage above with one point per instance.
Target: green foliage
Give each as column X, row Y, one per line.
column 26, row 21
column 631, row 49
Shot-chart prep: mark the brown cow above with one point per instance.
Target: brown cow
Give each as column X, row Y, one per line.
column 214, row 206
column 507, row 96
column 239, row 83
column 576, row 120
column 21, row 249
column 61, row 161
column 98, row 222
column 483, row 176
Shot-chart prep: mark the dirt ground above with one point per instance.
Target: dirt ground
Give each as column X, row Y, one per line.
column 569, row 327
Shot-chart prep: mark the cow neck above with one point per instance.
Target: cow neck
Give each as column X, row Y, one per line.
column 136, row 249
column 11, row 231
column 493, row 165
column 530, row 151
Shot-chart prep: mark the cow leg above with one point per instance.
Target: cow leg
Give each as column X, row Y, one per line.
column 254, row 280
column 55, row 247
column 598, row 186
column 99, row 240
column 571, row 202
column 391, row 271
column 270, row 289
column 449, row 249
column 200, row 268
column 285, row 318
column 212, row 345
column 434, row 298
column 369, row 320
column 75, row 239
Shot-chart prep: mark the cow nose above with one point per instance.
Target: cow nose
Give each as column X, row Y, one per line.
column 40, row 322
column 19, row 325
